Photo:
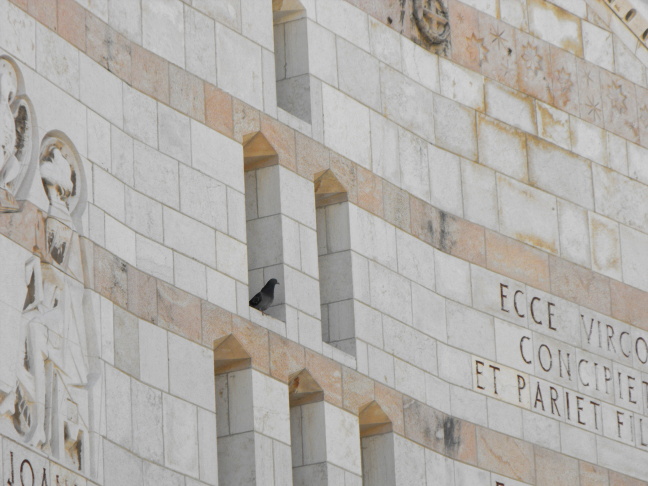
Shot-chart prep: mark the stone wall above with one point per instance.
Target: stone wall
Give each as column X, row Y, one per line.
column 451, row 194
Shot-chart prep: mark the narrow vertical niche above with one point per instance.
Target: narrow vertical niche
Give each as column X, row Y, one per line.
column 335, row 262
column 291, row 58
column 262, row 214
column 377, row 440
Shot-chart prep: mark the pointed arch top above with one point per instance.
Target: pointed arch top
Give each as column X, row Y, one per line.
column 230, row 355
column 258, row 152
column 286, row 10
column 328, row 189
column 303, row 389
column 374, row 420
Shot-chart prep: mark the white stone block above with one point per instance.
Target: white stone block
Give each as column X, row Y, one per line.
column 231, row 257
column 267, row 230
column 605, row 245
column 18, row 33
column 471, row 330
column 174, row 133
column 620, row 198
column 634, row 257
column 637, row 157
column 271, row 410
column 140, row 116
column 502, row 148
column 358, row 74
column 553, row 125
column 437, row 392
column 125, row 16
column 428, row 311
column 301, row 292
column 455, row 366
column 455, row 127
column 346, row 126
column 390, row 293
column 479, row 194
column 217, row 156
column 154, row 259
column 99, row 140
column 368, row 324
column 120, row 240
column 202, row 243
column 541, row 430
column 439, row 468
column 343, row 429
column 297, row 198
column 335, row 227
column 410, row 345
column 589, row 140
column 101, row 90
column 163, row 29
column 573, row 228
column 57, row 60
column 121, row 151
column 420, row 65
column 143, row 214
column 148, row 442
column 407, row 103
column 109, row 194
column 409, row 380
column 452, row 277
column 200, row 41
column 415, row 259
column 156, row 175
column 617, row 155
column 626, row 63
column 269, row 88
column 415, row 174
column 119, row 424
column 245, row 82
column 504, row 418
column 577, row 442
column 240, row 398
column 510, row 106
column 345, row 20
column 597, row 46
column 190, row 275
column 203, row 198
column 561, row 173
column 107, row 331
column 445, row 180
column 468, row 405
column 385, row 148
column 236, row 455
column 221, row 290
column 154, row 356
column 155, row 475
column 381, row 366
column 180, row 435
column 228, row 12
column 336, row 281
column 462, row 85
column 385, row 43
column 322, row 59
column 191, row 371
column 121, row 467
column 207, row 446
column 372, row 237
column 514, row 346
column 528, row 214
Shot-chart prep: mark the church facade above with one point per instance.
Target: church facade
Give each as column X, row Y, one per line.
column 451, row 195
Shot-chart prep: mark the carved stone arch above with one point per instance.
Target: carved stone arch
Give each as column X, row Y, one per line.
column 285, row 10
column 373, row 420
column 328, row 189
column 258, row 152
column 230, row 355
column 18, row 137
column 304, row 389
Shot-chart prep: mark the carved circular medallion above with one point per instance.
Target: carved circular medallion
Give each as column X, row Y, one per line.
column 431, row 17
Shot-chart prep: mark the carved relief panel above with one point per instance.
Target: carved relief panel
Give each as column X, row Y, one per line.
column 17, row 134
column 46, row 394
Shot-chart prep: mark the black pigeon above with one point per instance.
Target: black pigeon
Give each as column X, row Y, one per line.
column 264, row 299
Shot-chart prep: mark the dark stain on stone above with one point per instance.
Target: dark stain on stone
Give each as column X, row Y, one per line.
column 451, row 437
column 445, row 239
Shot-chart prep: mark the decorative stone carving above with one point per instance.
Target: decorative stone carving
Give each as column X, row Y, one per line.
column 431, row 17
column 16, row 135
column 49, row 405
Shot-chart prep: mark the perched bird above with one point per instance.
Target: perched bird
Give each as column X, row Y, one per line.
column 264, row 299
